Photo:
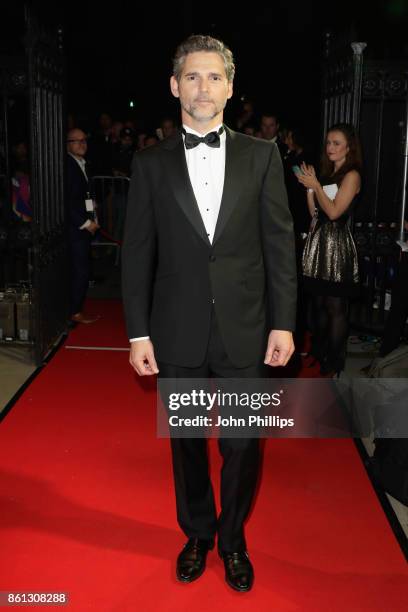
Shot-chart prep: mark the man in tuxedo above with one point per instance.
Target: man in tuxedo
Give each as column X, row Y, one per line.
column 270, row 131
column 81, row 223
column 209, row 286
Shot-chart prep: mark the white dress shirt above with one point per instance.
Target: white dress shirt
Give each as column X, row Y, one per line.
column 81, row 163
column 206, row 169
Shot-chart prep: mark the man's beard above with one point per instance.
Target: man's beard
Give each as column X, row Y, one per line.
column 197, row 115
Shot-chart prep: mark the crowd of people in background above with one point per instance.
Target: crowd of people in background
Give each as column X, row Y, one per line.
column 112, row 143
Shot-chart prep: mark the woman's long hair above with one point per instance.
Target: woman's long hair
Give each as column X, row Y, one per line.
column 354, row 159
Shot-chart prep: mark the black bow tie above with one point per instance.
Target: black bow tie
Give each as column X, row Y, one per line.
column 212, row 139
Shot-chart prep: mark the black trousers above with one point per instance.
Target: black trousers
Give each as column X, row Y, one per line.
column 80, row 264
column 196, row 512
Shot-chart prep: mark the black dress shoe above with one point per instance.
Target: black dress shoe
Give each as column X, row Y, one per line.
column 239, row 573
column 191, row 560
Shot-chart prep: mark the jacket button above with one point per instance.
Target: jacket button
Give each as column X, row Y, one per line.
column 212, row 258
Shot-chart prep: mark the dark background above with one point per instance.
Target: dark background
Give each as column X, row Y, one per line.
column 122, row 51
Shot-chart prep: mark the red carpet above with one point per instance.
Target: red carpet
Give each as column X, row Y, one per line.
column 109, row 330
column 88, row 507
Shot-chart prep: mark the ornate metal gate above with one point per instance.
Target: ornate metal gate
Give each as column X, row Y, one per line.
column 342, row 80
column 37, row 86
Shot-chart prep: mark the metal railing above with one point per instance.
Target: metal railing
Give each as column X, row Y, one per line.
column 110, row 196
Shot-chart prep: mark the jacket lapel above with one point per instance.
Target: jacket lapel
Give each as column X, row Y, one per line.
column 234, row 180
column 181, row 184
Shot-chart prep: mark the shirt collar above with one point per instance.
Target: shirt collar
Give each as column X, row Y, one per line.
column 80, row 160
column 214, row 129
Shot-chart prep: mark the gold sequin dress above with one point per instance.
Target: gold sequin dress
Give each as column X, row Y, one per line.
column 329, row 261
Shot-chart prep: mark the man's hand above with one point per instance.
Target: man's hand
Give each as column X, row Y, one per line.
column 92, row 227
column 142, row 359
column 280, row 348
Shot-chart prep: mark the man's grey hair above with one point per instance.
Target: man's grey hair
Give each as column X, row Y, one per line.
column 198, row 42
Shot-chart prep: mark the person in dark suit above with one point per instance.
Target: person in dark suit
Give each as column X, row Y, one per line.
column 209, row 286
column 82, row 224
column 269, row 130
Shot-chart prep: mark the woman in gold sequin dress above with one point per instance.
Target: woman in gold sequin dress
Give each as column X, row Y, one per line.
column 330, row 264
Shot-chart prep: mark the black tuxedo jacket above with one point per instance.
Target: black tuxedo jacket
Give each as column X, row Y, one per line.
column 77, row 188
column 172, row 275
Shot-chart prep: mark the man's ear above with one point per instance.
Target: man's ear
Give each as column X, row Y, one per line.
column 174, row 86
column 230, row 90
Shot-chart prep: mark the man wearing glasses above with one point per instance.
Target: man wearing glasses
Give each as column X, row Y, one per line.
column 82, row 223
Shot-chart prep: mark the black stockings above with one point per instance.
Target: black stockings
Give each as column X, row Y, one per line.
column 329, row 327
